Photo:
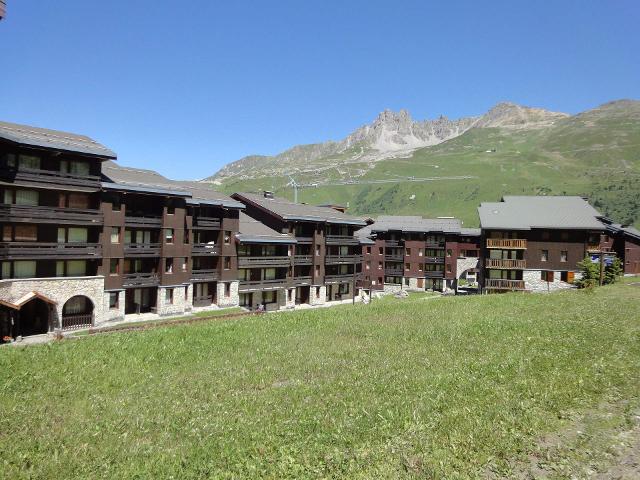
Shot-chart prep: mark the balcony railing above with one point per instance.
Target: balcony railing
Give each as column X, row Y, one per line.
column 342, row 259
column 434, row 259
column 304, row 240
column 50, row 249
column 282, row 261
column 392, row 243
column 142, row 249
column 394, row 257
column 49, row 176
column 501, row 284
column 200, row 249
column 429, row 244
column 75, row 322
column 433, row 274
column 205, row 275
column 45, row 214
column 593, row 247
column 340, row 278
column 203, row 301
column 505, row 264
column 516, row 243
column 303, row 259
column 271, row 284
column 393, row 271
column 149, row 221
column 207, row 223
column 140, row 279
column 342, row 240
column 302, row 280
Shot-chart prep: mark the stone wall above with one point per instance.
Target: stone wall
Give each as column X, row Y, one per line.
column 233, row 300
column 413, row 284
column 464, row 264
column 534, row 283
column 290, row 303
column 177, row 306
column 58, row 289
column 112, row 314
column 392, row 287
column 320, row 299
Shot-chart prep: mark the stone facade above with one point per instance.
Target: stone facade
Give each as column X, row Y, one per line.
column 534, row 283
column 413, row 284
column 290, row 298
column 392, row 287
column 319, row 299
column 233, row 300
column 112, row 314
column 175, row 306
column 58, row 289
column 464, row 264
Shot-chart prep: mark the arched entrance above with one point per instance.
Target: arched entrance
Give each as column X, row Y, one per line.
column 77, row 312
column 34, row 317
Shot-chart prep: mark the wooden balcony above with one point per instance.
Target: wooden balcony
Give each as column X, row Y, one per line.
column 253, row 285
column 593, row 248
column 276, row 261
column 304, row 240
column 505, row 264
column 340, row 278
column 207, row 223
column 50, row 250
column 501, row 284
column 434, row 244
column 50, row 176
column 434, row 260
column 394, row 257
column 433, row 274
column 142, row 279
column 142, row 249
column 143, row 221
column 303, row 259
column 392, row 243
column 302, row 280
column 205, row 249
column 513, row 243
column 342, row 259
column 203, row 301
column 55, row 215
column 342, row 240
column 205, row 275
column 395, row 272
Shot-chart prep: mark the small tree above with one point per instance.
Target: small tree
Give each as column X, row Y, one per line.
column 590, row 273
column 613, row 271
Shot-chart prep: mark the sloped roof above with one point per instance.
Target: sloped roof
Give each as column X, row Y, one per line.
column 53, row 139
column 528, row 212
column 412, row 223
column 626, row 229
column 18, row 303
column 143, row 180
column 298, row 211
column 253, row 231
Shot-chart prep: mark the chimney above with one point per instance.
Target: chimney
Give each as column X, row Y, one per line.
column 268, row 194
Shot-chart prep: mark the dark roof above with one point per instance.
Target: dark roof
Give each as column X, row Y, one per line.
column 116, row 177
column 471, row 232
column 53, row 139
column 527, row 212
column 385, row 223
column 287, row 210
column 253, row 231
column 625, row 229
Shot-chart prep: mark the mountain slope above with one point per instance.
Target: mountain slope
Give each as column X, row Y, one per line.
column 447, row 167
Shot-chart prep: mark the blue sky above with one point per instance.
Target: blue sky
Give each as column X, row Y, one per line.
column 185, row 87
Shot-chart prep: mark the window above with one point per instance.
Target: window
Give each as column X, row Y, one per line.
column 564, row 255
column 367, row 265
column 544, row 255
column 227, row 289
column 26, row 233
column 317, row 292
column 290, row 294
column 77, row 200
column 317, row 269
column 25, row 197
column 380, row 281
column 171, row 210
column 168, row 265
column 449, row 252
column 420, row 252
column 76, row 268
column 114, row 266
column 379, row 265
column 380, row 250
column 407, row 266
column 449, row 268
column 60, row 268
column 269, row 274
column 7, row 233
column 368, row 250
column 227, row 263
column 546, row 276
column 168, row 235
column 168, row 296
column 24, row 269
column 113, row 300
column 419, row 267
column 406, row 281
column 227, row 237
column 6, row 269
column 72, row 235
column 29, row 161
column 74, row 167
column 408, row 252
column 185, row 264
column 115, row 235
column 317, row 250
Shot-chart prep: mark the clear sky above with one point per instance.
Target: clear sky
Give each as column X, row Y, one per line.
column 184, row 87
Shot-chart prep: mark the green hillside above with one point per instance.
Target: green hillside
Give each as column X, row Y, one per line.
column 595, row 154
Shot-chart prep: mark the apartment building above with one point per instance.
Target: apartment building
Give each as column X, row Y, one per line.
column 327, row 255
column 411, row 252
column 626, row 245
column 535, row 243
column 85, row 241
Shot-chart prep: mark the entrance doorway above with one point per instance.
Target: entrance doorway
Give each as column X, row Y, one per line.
column 34, row 317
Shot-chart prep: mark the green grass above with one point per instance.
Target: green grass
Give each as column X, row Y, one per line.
column 438, row 388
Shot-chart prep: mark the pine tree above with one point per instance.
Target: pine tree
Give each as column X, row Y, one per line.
column 613, row 271
column 590, row 273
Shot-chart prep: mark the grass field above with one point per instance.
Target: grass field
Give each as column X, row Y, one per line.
column 458, row 387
